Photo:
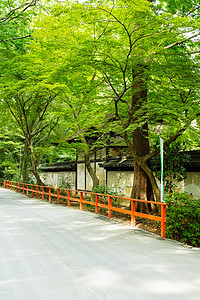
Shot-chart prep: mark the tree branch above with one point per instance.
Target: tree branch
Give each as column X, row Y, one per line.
column 190, row 12
column 9, row 17
column 168, row 142
column 18, row 38
column 180, row 42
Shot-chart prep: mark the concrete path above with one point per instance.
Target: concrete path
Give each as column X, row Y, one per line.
column 55, row 252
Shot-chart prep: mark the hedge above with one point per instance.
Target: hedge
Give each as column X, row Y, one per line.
column 183, row 219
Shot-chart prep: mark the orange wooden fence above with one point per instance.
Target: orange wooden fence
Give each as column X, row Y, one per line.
column 78, row 196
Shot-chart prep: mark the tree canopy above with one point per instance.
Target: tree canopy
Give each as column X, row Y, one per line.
column 130, row 67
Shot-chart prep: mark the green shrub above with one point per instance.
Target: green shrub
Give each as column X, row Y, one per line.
column 64, row 183
column 183, row 219
column 103, row 189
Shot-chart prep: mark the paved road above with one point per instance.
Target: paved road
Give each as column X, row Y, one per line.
column 55, row 252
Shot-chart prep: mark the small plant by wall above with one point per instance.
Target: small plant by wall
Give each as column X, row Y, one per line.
column 64, row 183
column 183, row 219
column 104, row 189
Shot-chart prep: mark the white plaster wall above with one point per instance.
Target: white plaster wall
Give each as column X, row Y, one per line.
column 52, row 178
column 120, row 181
column 89, row 180
column 81, row 176
column 192, row 184
column 101, row 174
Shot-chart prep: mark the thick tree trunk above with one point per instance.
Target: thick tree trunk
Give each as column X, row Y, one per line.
column 36, row 174
column 152, row 180
column 145, row 186
column 144, row 181
column 91, row 171
column 141, row 185
column 139, row 188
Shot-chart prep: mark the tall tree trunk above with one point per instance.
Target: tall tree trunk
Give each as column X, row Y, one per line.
column 142, row 182
column 141, row 188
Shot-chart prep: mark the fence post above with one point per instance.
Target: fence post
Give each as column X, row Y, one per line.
column 58, row 196
column 37, row 191
column 42, row 193
column 68, row 193
column 81, row 200
column 163, row 221
column 109, row 206
column 27, row 189
column 23, row 188
column 49, row 194
column 133, row 220
column 96, row 204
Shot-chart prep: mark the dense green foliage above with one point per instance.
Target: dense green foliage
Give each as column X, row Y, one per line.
column 15, row 20
column 130, row 67
column 183, row 219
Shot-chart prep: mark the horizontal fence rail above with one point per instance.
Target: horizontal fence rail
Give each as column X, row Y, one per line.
column 90, row 198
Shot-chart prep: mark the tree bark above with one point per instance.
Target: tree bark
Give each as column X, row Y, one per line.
column 141, row 188
column 144, row 183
